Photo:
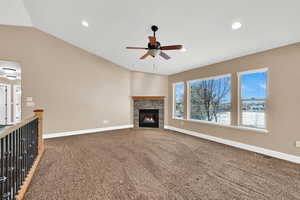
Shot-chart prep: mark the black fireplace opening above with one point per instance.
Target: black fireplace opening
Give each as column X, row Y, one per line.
column 149, row 118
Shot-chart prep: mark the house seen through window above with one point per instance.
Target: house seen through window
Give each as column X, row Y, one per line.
column 253, row 96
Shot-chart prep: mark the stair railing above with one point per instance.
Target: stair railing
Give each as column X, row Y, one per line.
column 21, row 149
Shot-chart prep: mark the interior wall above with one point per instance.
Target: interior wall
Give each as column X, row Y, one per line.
column 147, row 84
column 78, row 90
column 282, row 107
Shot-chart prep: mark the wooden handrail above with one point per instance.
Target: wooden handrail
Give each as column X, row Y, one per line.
column 10, row 129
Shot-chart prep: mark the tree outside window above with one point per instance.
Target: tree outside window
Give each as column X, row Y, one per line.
column 210, row 99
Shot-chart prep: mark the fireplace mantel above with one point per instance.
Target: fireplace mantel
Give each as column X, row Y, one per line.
column 148, row 97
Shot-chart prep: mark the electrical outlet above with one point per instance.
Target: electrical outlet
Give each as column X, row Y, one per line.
column 297, row 143
column 105, row 121
column 29, row 99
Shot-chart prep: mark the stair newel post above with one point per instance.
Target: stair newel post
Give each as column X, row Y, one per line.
column 40, row 113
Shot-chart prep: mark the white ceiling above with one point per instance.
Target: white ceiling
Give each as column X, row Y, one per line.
column 13, row 12
column 203, row 26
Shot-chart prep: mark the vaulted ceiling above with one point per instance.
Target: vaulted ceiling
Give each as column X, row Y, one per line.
column 13, row 12
column 202, row 26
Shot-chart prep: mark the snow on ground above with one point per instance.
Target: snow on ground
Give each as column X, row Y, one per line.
column 253, row 119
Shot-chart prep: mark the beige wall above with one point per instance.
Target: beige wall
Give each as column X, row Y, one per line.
column 147, row 84
column 77, row 90
column 283, row 105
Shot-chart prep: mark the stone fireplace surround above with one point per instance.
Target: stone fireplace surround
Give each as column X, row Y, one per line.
column 148, row 102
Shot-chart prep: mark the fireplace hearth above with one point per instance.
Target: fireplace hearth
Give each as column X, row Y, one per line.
column 149, row 118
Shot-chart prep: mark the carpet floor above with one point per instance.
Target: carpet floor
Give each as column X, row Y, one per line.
column 157, row 164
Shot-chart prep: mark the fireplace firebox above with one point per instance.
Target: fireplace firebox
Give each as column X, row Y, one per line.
column 149, row 118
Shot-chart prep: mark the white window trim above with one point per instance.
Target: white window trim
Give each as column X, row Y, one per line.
column 239, row 104
column 209, row 78
column 174, row 100
column 15, row 87
column 188, row 98
column 8, row 102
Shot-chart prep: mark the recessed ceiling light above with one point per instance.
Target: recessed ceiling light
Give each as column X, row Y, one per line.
column 84, row 23
column 10, row 77
column 8, row 70
column 236, row 25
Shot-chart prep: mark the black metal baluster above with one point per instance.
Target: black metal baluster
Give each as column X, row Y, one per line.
column 31, row 139
column 17, row 159
column 2, row 175
column 14, row 164
column 5, row 192
column 25, row 150
column 11, row 169
column 27, row 146
column 22, row 155
column 10, row 166
column 20, row 158
column 35, row 140
column 30, row 146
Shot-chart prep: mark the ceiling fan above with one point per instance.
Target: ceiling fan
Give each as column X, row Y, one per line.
column 154, row 47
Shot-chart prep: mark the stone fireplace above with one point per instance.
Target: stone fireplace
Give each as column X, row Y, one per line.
column 148, row 111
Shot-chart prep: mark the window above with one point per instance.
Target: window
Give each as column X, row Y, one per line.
column 253, row 97
column 179, row 100
column 210, row 99
column 5, row 108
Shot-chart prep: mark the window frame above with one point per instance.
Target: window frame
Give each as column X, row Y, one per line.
column 189, row 98
column 240, row 100
column 7, row 103
column 174, row 100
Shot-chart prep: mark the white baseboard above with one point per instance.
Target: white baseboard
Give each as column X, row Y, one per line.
column 86, row 131
column 268, row 152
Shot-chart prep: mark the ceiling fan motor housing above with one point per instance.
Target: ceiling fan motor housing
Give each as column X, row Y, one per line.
column 157, row 46
column 154, row 52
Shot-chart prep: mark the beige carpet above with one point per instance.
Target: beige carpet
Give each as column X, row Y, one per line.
column 153, row 164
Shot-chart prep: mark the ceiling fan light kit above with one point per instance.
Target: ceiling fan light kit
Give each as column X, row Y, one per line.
column 154, row 47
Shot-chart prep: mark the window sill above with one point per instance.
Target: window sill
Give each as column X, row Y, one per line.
column 257, row 130
column 178, row 118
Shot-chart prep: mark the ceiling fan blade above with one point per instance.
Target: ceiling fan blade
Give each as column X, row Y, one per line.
column 172, row 47
column 136, row 48
column 145, row 56
column 152, row 40
column 164, row 55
